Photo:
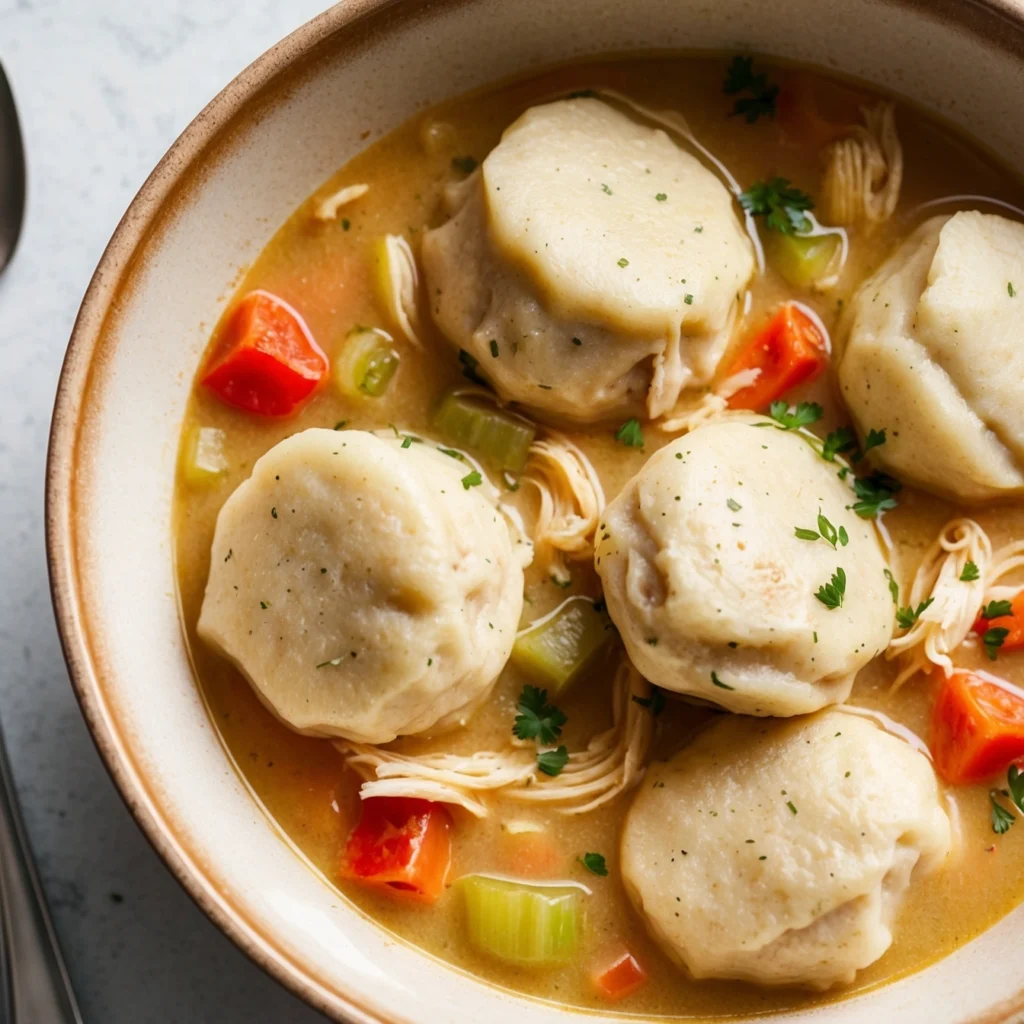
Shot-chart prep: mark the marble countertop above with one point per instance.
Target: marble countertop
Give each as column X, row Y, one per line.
column 103, row 87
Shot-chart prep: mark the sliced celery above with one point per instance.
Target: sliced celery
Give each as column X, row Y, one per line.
column 558, row 649
column 367, row 363
column 801, row 259
column 499, row 438
column 203, row 461
column 527, row 925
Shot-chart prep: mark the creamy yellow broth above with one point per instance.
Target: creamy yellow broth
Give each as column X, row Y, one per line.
column 325, row 271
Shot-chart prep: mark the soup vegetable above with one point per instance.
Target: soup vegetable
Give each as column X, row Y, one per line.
column 600, row 537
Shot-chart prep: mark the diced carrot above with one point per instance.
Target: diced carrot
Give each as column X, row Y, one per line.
column 618, row 975
column 791, row 350
column 402, row 845
column 977, row 727
column 1012, row 623
column 266, row 360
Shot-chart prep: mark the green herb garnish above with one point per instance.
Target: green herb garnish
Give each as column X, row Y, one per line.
column 739, row 78
column 970, row 573
column 876, row 494
column 1002, row 819
column 473, row 479
column 551, row 762
column 656, row 702
column 594, row 863
column 894, row 587
column 718, row 682
column 630, row 434
column 906, row 617
column 537, row 719
column 826, row 531
column 831, row 594
column 996, row 610
column 993, row 640
column 838, row 441
column 781, row 205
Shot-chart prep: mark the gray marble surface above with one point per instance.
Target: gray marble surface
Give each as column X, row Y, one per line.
column 104, row 87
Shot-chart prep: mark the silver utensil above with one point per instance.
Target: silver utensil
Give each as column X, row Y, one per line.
column 12, row 174
column 34, row 983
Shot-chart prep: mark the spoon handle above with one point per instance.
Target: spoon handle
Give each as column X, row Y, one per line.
column 38, row 989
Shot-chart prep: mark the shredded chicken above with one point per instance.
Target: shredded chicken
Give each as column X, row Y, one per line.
column 403, row 281
column 945, row 623
column 571, row 502
column 864, row 171
column 612, row 763
column 694, row 410
column 327, row 209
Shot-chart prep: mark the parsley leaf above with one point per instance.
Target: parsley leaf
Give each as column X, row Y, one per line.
column 876, row 493
column 831, row 594
column 805, row 534
column 739, row 78
column 630, row 434
column 469, row 368
column 473, row 479
column 873, row 440
column 594, row 863
column 718, row 682
column 906, row 617
column 996, row 609
column 733, row 505
column 787, row 418
column 781, row 205
column 838, row 442
column 826, row 531
column 894, row 587
column 1015, row 782
column 970, row 573
column 537, row 719
column 993, row 640
column 1002, row 819
column 551, row 762
column 656, row 702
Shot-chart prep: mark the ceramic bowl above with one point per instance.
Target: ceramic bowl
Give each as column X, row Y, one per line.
column 273, row 135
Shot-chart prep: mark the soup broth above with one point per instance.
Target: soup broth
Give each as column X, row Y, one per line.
column 326, row 270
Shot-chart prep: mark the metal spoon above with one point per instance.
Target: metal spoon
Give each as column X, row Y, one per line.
column 34, row 983
column 12, row 174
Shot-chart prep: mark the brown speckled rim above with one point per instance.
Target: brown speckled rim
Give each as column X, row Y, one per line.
column 998, row 23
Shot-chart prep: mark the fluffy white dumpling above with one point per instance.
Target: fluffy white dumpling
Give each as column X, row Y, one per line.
column 592, row 266
column 935, row 355
column 778, row 851
column 361, row 588
column 715, row 595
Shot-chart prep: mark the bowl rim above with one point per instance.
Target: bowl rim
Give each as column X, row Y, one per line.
column 113, row 271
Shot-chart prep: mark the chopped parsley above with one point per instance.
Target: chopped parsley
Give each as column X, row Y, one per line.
column 1010, row 290
column 473, row 479
column 906, row 617
column 970, row 573
column 469, row 368
column 340, row 424
column 688, row 299
column 551, row 762
column 1002, row 819
column 407, row 441
column 464, row 164
column 345, row 223
column 782, row 206
column 734, row 505
column 996, row 609
column 760, row 101
column 787, row 417
column 630, row 434
column 875, row 493
column 791, row 806
column 494, row 348
column 623, row 262
column 594, row 863
column 874, row 439
column 831, row 594
column 993, row 639
column 718, row 682
column 605, row 189
column 838, row 441
column 537, row 719
column 661, row 197
column 1015, row 782
column 826, row 531
column 894, row 587
column 656, row 702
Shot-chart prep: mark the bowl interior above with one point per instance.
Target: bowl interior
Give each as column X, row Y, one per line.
column 274, row 135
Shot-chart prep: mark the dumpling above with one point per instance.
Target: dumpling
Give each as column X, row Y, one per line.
column 778, row 851
column 592, row 267
column 713, row 592
column 363, row 589
column 935, row 355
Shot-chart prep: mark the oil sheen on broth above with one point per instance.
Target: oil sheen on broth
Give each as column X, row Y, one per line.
column 326, row 272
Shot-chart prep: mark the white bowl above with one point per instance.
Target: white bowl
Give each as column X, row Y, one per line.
column 281, row 128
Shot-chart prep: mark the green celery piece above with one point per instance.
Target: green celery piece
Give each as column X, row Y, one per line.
column 366, row 365
column 500, row 438
column 203, row 462
column 558, row 649
column 801, row 259
column 522, row 924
